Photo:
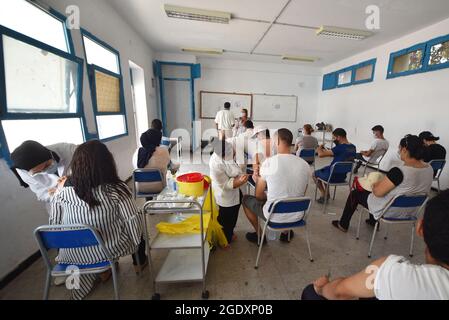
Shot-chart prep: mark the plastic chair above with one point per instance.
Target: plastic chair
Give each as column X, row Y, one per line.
column 410, row 202
column 70, row 237
column 438, row 166
column 345, row 167
column 374, row 163
column 146, row 175
column 308, row 155
column 286, row 206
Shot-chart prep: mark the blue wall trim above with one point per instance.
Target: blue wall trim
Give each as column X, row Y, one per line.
column 394, row 55
column 330, row 80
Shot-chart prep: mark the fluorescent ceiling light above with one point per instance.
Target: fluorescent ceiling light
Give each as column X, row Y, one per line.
column 299, row 58
column 197, row 14
column 343, row 33
column 203, row 50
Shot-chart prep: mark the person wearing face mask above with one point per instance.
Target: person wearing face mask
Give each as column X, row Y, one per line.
column 227, row 178
column 413, row 177
column 379, row 146
column 239, row 127
column 42, row 168
column 263, row 147
column 343, row 151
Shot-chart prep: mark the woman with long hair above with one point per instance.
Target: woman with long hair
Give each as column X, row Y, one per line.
column 94, row 195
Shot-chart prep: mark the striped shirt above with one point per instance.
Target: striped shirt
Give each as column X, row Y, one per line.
column 117, row 220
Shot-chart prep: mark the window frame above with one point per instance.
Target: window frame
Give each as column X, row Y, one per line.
column 361, row 65
column 5, row 115
column 329, row 81
column 394, row 55
column 344, row 70
column 429, row 45
column 91, row 68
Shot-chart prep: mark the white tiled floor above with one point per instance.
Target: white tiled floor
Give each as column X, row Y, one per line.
column 284, row 268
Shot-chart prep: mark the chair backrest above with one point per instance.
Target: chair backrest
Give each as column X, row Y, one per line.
column 291, row 205
column 377, row 157
column 416, row 201
column 438, row 166
column 307, row 154
column 147, row 175
column 341, row 168
column 67, row 236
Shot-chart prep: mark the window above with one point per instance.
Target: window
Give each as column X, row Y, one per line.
column 437, row 53
column 364, row 72
column 408, row 61
column 34, row 23
column 344, row 77
column 106, row 85
column 329, row 81
column 40, row 78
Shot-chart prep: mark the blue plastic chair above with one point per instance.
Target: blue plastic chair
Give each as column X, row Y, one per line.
column 70, row 237
column 285, row 206
column 438, row 166
column 345, row 167
column 146, row 175
column 414, row 203
column 308, row 155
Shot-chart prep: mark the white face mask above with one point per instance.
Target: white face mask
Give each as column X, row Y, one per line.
column 51, row 169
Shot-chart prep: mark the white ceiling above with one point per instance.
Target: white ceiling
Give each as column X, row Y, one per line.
column 397, row 18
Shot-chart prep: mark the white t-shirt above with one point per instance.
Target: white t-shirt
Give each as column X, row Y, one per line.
column 398, row 279
column 379, row 146
column 287, row 176
column 225, row 120
column 222, row 173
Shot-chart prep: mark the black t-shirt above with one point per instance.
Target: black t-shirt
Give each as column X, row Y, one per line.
column 434, row 152
column 396, row 176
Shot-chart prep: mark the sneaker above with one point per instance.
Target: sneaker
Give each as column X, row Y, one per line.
column 252, row 237
column 337, row 225
column 284, row 236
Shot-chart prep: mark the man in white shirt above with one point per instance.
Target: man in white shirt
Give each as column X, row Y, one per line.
column 243, row 144
column 284, row 176
column 378, row 148
column 225, row 121
column 395, row 278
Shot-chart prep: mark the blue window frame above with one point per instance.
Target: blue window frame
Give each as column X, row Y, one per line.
column 8, row 115
column 365, row 67
column 103, row 117
column 340, row 76
column 429, row 50
column 329, row 81
column 403, row 53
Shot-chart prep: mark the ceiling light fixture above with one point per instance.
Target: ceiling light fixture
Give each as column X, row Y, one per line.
column 197, row 14
column 203, row 50
column 343, row 33
column 299, row 58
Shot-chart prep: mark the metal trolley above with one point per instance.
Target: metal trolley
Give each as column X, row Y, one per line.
column 188, row 253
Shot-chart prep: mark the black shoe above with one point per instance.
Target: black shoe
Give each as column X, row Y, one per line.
column 252, row 237
column 337, row 225
column 284, row 236
column 372, row 223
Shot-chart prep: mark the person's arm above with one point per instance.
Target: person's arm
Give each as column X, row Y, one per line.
column 42, row 192
column 56, row 212
column 367, row 153
column 129, row 212
column 261, row 186
column 393, row 178
column 324, row 153
column 360, row 285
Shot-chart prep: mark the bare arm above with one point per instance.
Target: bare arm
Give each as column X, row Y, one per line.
column 324, row 153
column 383, row 187
column 367, row 153
column 260, row 189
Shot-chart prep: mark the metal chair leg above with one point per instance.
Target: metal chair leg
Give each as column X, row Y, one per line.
column 47, row 285
column 326, row 194
column 386, row 232
column 308, row 245
column 372, row 239
column 359, row 225
column 412, row 240
column 260, row 247
column 316, row 188
column 439, row 188
column 257, row 232
column 115, row 281
column 335, row 192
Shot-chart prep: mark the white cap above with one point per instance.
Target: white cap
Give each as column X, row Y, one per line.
column 258, row 129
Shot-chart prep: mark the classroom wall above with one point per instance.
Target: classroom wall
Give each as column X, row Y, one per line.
column 20, row 212
column 403, row 105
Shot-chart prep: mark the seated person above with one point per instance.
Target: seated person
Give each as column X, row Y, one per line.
column 277, row 176
column 395, row 278
column 152, row 155
column 94, row 195
column 414, row 177
column 263, row 148
column 343, row 151
column 227, row 178
column 243, row 144
column 378, row 148
column 433, row 150
column 307, row 141
column 156, row 124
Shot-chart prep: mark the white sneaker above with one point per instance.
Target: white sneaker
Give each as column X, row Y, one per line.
column 59, row 281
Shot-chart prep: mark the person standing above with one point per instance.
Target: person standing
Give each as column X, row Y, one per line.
column 225, row 121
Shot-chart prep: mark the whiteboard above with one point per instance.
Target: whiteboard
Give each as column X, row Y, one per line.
column 275, row 108
column 212, row 102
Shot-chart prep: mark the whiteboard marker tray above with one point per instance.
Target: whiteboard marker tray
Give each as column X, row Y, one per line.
column 183, row 265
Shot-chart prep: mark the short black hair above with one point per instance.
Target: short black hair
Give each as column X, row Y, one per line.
column 378, row 128
column 248, row 124
column 339, row 132
column 285, row 136
column 414, row 146
column 227, row 105
column 436, row 227
column 156, row 124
